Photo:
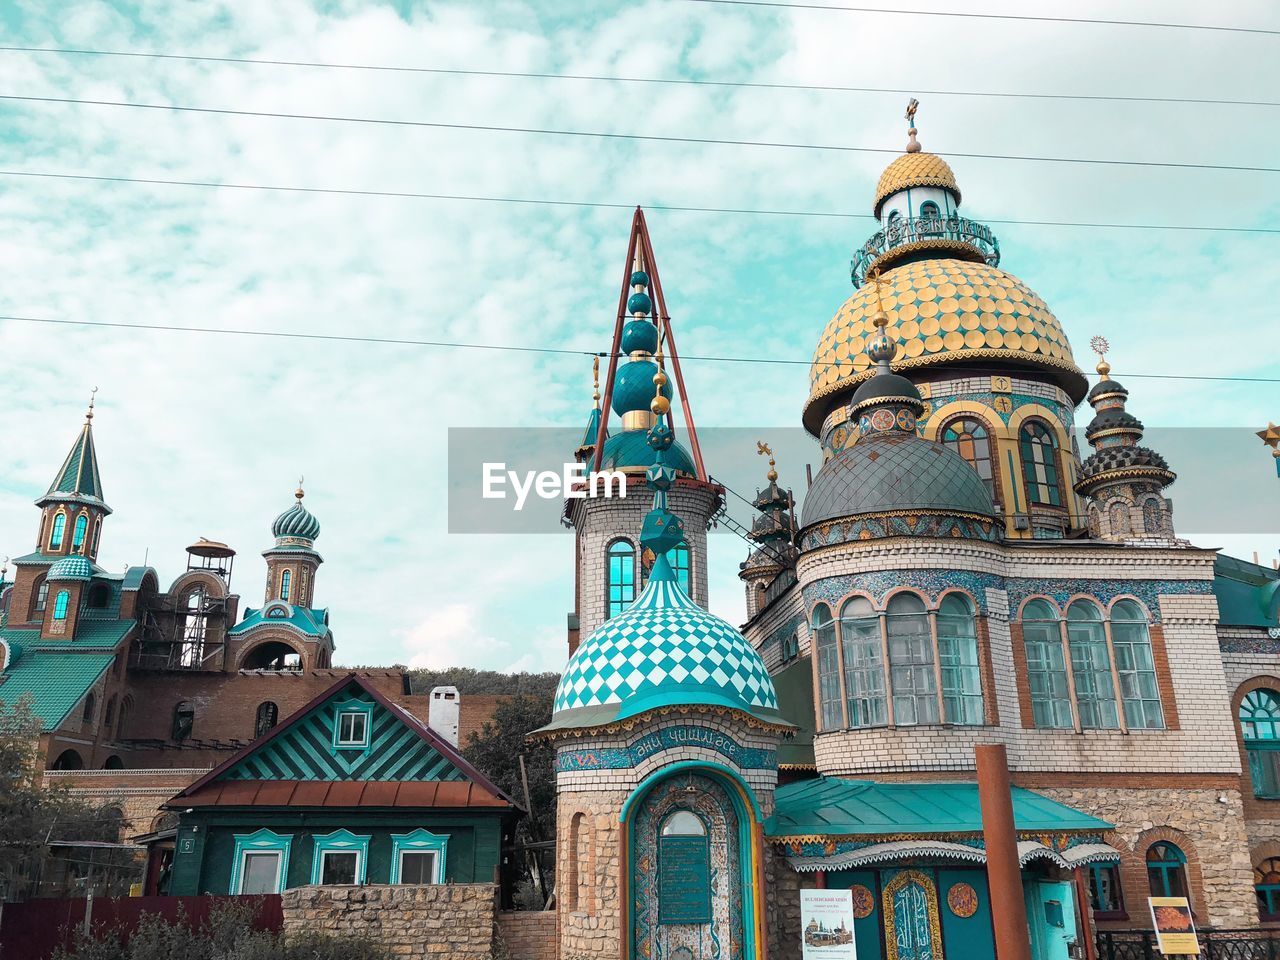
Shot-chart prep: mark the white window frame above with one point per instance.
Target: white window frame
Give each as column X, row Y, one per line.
column 435, row 863
column 244, row 863
column 339, row 853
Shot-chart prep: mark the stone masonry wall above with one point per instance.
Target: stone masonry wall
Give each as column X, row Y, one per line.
column 1209, row 831
column 588, row 870
column 447, row 920
column 528, row 934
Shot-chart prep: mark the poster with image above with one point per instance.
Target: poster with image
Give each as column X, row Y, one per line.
column 826, row 922
column 1174, row 926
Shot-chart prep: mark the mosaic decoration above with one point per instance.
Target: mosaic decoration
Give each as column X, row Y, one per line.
column 874, row 527
column 724, row 936
column 911, row 927
column 1260, row 643
column 666, row 738
column 864, row 901
column 1148, row 591
column 962, row 900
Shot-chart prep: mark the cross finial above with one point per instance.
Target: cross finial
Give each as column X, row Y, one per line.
column 913, row 145
column 1100, row 346
column 764, row 450
column 92, row 397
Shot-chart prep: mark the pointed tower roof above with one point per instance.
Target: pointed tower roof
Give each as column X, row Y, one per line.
column 77, row 480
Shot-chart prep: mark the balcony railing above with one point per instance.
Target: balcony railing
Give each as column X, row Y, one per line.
column 899, row 233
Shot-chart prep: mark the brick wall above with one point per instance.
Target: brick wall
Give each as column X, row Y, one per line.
column 529, row 935
column 448, row 920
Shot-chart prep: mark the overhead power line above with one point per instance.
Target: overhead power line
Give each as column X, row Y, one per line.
column 609, row 78
column 606, row 135
column 600, row 204
column 777, row 4
column 510, row 348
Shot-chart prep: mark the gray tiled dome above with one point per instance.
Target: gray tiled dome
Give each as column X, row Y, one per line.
column 895, row 472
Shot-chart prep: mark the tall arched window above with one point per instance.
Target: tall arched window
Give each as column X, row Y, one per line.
column 266, row 718
column 40, row 598
column 1040, row 464
column 90, row 701
column 81, row 529
column 621, row 585
column 109, row 716
column 1166, row 870
column 1091, row 667
column 285, row 578
column 126, row 707
column 931, row 218
column 678, row 557
column 1266, row 885
column 1119, row 516
column 1135, row 666
column 60, row 604
column 824, row 633
column 863, row 663
column 911, row 673
column 1046, row 666
column 97, row 535
column 1260, row 727
column 968, row 437
column 184, row 720
column 59, row 530
column 958, row 661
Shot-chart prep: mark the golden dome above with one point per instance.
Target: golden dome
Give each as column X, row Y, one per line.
column 940, row 311
column 915, row 170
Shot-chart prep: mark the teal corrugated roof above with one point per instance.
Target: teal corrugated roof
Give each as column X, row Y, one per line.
column 78, row 476
column 1248, row 594
column 303, row 619
column 54, row 681
column 829, row 806
column 133, row 577
column 90, row 635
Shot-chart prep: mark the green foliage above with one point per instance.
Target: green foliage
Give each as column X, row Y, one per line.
column 484, row 682
column 33, row 813
column 227, row 934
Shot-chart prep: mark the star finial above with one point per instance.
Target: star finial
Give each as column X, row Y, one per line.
column 92, row 397
column 1100, row 346
column 1271, row 437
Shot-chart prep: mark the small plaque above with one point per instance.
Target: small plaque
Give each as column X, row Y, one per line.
column 1001, row 385
column 684, row 880
column 962, row 900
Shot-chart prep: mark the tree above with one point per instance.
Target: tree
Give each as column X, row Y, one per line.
column 33, row 813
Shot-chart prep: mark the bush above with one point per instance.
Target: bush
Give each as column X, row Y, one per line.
column 227, row 934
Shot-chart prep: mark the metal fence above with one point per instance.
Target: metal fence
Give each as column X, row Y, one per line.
column 1214, row 945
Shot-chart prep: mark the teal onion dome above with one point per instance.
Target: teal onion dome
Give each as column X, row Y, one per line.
column 633, row 386
column 296, row 523
column 663, row 651
column 639, row 335
column 630, row 450
column 71, row 568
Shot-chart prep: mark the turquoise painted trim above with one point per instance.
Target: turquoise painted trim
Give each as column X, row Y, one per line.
column 341, row 841
column 746, row 844
column 686, row 765
column 352, row 707
column 261, row 841
column 419, row 841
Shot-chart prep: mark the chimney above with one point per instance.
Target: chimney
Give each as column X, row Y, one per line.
column 442, row 714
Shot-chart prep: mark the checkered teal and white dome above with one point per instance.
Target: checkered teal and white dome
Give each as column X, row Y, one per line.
column 663, row 651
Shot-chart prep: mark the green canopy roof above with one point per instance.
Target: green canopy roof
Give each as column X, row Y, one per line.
column 831, row 807
column 97, row 635
column 77, row 479
column 1248, row 594
column 54, row 681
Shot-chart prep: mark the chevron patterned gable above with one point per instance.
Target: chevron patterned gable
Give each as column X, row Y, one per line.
column 306, row 752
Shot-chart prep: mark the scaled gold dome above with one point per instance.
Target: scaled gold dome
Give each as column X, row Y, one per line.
column 940, row 311
column 915, row 170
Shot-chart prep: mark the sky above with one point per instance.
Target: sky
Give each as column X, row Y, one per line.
column 203, row 435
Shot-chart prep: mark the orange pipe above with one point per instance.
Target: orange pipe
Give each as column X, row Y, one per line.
column 1004, row 874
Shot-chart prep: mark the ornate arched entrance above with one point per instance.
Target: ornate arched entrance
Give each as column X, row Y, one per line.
column 692, row 863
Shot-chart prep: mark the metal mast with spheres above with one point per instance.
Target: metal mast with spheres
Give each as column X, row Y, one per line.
column 991, row 362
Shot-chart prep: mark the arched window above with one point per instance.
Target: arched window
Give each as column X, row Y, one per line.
column 1135, row 666
column 678, row 557
column 59, row 529
column 621, row 584
column 1152, row 516
column 99, row 596
column 184, row 720
column 90, row 701
column 1260, row 727
column 958, row 660
column 968, row 437
column 60, row 604
column 1166, row 870
column 931, row 216
column 1119, row 516
column 863, row 663
column 1091, row 667
column 911, row 673
column 69, row 760
column 1040, row 464
column 109, row 716
column 1266, row 885
column 126, row 706
column 266, row 718
column 824, row 633
column 97, row 535
column 40, row 598
column 113, row 762
column 1046, row 666
column 78, row 534
column 285, row 577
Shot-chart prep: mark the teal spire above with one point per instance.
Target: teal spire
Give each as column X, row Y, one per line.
column 77, row 479
column 662, row 530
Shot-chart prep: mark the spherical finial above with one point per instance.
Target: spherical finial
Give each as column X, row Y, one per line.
column 913, row 145
column 92, row 398
column 660, row 405
column 880, row 320
column 299, row 494
column 659, row 379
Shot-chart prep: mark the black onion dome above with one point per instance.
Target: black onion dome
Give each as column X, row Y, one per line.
column 896, row 472
column 1104, row 387
column 886, row 386
column 1114, row 418
column 1123, row 458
